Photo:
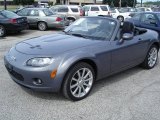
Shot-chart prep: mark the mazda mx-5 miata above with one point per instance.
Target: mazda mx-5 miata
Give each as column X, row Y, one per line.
column 90, row 49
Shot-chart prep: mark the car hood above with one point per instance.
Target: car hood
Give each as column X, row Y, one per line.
column 52, row 44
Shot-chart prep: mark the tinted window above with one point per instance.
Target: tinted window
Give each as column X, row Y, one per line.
column 9, row 14
column 23, row 12
column 74, row 9
column 148, row 18
column 34, row 13
column 48, row 12
column 63, row 9
column 104, row 8
column 94, row 9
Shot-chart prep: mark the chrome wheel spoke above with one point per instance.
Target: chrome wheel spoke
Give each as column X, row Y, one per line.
column 152, row 58
column 86, row 84
column 74, row 79
column 75, row 91
column 79, row 92
column 75, row 85
column 81, row 82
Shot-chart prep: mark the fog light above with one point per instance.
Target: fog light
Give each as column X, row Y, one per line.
column 37, row 81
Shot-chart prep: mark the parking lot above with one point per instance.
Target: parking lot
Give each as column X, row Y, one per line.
column 130, row 95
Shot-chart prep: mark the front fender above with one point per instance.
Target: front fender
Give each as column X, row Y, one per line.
column 71, row 59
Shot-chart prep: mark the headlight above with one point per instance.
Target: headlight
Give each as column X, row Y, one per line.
column 39, row 62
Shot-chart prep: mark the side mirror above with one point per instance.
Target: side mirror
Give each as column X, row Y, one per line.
column 127, row 36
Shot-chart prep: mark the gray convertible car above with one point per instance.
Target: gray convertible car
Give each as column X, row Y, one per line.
column 90, row 49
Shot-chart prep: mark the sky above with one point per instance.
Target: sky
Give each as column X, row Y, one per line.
column 147, row 0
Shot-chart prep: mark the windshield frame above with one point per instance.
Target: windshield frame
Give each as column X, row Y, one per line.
column 68, row 32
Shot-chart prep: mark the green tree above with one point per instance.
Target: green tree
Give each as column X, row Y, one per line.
column 23, row 2
column 124, row 3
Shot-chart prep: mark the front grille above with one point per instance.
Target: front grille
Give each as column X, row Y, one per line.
column 14, row 73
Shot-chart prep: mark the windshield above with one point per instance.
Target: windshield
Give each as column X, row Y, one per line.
column 92, row 28
column 9, row 14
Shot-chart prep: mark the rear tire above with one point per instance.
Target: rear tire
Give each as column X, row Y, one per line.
column 42, row 26
column 79, row 81
column 2, row 31
column 151, row 58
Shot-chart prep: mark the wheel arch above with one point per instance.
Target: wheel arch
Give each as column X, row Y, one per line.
column 71, row 17
column 89, row 61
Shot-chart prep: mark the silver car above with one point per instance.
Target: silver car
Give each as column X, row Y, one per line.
column 90, row 49
column 43, row 18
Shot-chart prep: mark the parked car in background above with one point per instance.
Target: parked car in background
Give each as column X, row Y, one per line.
column 90, row 49
column 11, row 22
column 97, row 10
column 150, row 20
column 72, row 12
column 156, row 9
column 43, row 18
column 119, row 15
column 128, row 10
column 143, row 9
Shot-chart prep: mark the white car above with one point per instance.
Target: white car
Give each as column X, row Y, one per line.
column 120, row 15
column 97, row 10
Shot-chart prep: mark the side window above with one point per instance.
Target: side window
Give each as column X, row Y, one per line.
column 23, row 12
column 63, row 9
column 104, row 8
column 34, row 13
column 94, row 9
column 136, row 17
column 74, row 9
column 148, row 19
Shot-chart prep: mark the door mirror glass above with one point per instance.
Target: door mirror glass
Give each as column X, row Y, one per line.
column 127, row 36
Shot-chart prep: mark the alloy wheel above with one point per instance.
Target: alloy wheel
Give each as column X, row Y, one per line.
column 152, row 57
column 81, row 82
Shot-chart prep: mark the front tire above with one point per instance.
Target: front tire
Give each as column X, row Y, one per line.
column 151, row 58
column 78, row 81
column 2, row 31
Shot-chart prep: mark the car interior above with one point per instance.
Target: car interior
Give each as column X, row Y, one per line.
column 128, row 27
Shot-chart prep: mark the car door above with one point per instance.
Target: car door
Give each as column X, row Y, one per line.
column 128, row 53
column 94, row 11
column 149, row 20
column 33, row 17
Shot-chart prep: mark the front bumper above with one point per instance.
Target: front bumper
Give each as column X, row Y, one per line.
column 25, row 76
